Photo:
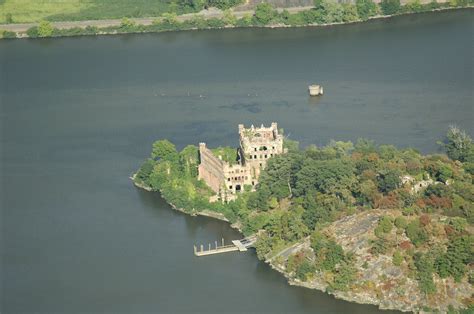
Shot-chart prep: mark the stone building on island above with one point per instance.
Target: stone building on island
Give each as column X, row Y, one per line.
column 226, row 178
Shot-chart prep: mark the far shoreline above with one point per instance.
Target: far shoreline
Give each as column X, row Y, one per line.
column 24, row 35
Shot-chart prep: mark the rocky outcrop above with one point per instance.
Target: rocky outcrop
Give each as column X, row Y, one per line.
column 379, row 281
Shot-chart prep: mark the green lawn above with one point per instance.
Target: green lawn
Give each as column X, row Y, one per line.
column 24, row 11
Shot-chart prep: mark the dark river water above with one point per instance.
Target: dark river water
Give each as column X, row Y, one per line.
column 78, row 115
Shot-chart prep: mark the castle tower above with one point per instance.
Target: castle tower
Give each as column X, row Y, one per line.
column 259, row 144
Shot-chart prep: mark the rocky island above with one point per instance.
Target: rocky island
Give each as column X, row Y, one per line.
column 367, row 223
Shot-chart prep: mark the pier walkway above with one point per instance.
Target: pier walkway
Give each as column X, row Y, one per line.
column 237, row 245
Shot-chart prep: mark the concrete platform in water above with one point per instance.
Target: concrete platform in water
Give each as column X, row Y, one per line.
column 315, row 90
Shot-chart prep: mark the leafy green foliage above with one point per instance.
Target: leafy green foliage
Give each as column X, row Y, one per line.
column 459, row 145
column 390, row 7
column 326, row 176
column 228, row 154
column 414, row 6
column 330, row 257
column 324, row 12
column 7, row 34
column 223, row 4
column 385, row 226
column 145, row 170
column 379, row 246
column 366, row 8
column 314, row 212
column 424, row 265
column 459, row 253
column 400, row 222
column 164, row 150
column 303, row 189
column 263, row 246
column 45, row 29
column 32, row 32
column 127, row 24
column 8, row 18
column 388, row 180
column 229, row 18
column 344, row 276
column 328, row 253
column 397, row 258
column 304, row 269
column 416, row 233
column 264, row 13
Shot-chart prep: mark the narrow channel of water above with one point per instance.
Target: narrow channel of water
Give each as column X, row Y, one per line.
column 78, row 115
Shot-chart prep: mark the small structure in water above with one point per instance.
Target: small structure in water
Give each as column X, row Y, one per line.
column 315, row 90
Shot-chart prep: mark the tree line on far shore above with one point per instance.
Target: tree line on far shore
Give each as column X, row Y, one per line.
column 324, row 12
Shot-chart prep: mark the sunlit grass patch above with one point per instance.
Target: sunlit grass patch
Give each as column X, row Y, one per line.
column 24, row 11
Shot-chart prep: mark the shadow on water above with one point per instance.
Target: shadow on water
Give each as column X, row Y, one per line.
column 315, row 100
column 158, row 208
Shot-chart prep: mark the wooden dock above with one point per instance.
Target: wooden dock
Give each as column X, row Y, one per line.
column 237, row 245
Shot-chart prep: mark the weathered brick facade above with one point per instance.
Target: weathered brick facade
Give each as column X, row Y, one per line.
column 257, row 145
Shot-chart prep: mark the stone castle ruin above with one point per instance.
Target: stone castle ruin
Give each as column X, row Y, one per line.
column 227, row 178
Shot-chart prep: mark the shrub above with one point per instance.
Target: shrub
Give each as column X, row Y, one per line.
column 145, row 170
column 45, row 29
column 400, row 222
column 425, row 269
column 244, row 21
column 32, row 32
column 459, row 144
column 413, row 6
column 366, row 8
column 8, row 18
column 388, row 180
column 416, row 233
column 379, row 246
column 304, row 269
column 384, row 226
column 390, row 7
column 397, row 258
column 264, row 13
column 350, row 13
column 7, row 34
column 263, row 246
column 229, row 18
column 224, row 4
column 343, row 276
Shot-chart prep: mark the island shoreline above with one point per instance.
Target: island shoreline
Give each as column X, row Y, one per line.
column 291, row 281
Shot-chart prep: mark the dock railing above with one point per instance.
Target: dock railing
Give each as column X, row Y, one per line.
column 237, row 245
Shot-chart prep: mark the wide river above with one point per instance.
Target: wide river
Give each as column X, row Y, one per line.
column 78, row 115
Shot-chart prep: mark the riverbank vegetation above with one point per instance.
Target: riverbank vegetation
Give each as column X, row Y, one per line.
column 324, row 12
column 427, row 201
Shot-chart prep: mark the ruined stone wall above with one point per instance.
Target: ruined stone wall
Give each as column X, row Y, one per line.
column 237, row 176
column 211, row 168
column 257, row 145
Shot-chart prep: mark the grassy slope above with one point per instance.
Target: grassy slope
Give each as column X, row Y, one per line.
column 24, row 11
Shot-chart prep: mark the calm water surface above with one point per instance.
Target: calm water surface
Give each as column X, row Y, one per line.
column 78, row 115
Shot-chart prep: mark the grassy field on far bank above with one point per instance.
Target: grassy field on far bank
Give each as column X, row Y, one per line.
column 27, row 11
